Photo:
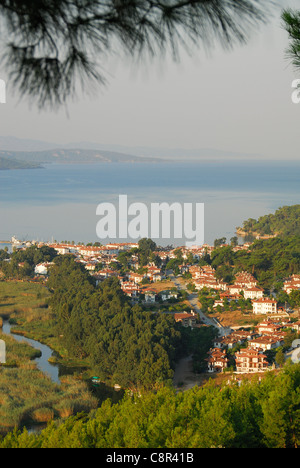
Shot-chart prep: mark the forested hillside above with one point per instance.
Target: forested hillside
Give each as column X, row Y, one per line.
column 270, row 260
column 126, row 345
column 285, row 222
column 254, row 415
column 8, row 164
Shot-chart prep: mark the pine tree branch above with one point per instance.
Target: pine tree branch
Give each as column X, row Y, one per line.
column 57, row 43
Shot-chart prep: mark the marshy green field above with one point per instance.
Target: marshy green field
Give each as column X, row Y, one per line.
column 27, row 396
column 21, row 297
column 25, row 304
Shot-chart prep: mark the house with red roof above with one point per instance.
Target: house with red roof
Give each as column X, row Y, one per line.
column 250, row 360
column 217, row 360
column 264, row 306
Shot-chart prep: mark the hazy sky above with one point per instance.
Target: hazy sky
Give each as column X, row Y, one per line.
column 239, row 101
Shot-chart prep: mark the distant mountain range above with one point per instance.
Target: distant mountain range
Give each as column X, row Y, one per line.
column 174, row 154
column 8, row 143
column 72, row 156
column 14, row 150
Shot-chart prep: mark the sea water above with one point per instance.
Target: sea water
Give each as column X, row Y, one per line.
column 58, row 202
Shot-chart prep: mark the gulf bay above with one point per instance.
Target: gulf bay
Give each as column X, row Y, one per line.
column 60, row 201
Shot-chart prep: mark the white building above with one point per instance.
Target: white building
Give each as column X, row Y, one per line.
column 253, row 293
column 150, row 296
column 42, row 268
column 167, row 295
column 264, row 306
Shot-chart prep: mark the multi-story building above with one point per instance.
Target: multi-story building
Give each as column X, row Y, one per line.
column 217, row 360
column 186, row 319
column 253, row 293
column 264, row 306
column 266, row 342
column 250, row 360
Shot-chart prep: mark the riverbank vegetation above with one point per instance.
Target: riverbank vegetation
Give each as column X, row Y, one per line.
column 26, row 306
column 18, row 298
column 18, row 353
column 27, row 396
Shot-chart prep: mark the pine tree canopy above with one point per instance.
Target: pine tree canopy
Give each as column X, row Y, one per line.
column 291, row 23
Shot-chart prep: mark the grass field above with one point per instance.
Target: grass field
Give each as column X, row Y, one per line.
column 26, row 305
column 18, row 297
column 161, row 286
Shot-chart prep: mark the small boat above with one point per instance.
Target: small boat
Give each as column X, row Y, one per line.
column 96, row 380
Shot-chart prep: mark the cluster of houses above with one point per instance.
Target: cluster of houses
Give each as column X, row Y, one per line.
column 100, row 262
column 292, row 284
column 204, row 277
column 251, row 358
column 245, row 285
column 90, row 256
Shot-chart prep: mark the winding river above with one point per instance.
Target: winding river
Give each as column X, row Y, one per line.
column 42, row 362
column 55, row 371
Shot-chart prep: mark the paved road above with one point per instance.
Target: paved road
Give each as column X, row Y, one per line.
column 193, row 300
column 296, row 356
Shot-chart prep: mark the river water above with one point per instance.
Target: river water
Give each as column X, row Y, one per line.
column 53, row 371
column 56, row 371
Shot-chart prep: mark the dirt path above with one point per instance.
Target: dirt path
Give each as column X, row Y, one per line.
column 184, row 377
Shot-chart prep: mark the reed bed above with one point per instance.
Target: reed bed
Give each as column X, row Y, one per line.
column 26, row 306
column 18, row 353
column 22, row 298
column 27, row 396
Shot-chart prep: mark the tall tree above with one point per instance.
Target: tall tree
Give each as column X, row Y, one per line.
column 291, row 23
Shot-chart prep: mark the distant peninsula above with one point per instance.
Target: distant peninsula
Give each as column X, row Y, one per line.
column 10, row 164
column 68, row 156
column 125, row 152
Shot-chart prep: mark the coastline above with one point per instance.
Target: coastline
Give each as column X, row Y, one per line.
column 255, row 234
